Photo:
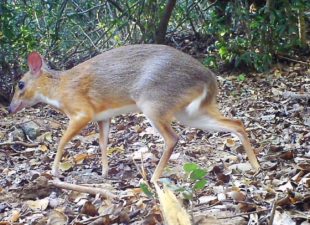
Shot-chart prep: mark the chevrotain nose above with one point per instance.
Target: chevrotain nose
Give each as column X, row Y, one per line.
column 9, row 109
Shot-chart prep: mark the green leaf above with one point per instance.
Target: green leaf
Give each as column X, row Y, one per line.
column 241, row 77
column 223, row 51
column 210, row 61
column 146, row 190
column 197, row 174
column 222, row 33
column 200, row 184
column 189, row 167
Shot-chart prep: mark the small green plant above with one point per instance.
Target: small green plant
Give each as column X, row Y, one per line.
column 241, row 77
column 195, row 178
column 196, row 175
column 145, row 188
column 195, row 181
column 210, row 61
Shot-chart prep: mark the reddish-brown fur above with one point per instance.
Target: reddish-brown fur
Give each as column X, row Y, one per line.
column 158, row 80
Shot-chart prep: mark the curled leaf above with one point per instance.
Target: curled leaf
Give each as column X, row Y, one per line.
column 15, row 216
column 57, row 218
column 40, row 204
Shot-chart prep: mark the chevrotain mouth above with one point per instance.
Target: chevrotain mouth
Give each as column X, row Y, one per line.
column 15, row 109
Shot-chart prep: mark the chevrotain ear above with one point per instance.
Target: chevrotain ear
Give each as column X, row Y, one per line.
column 35, row 63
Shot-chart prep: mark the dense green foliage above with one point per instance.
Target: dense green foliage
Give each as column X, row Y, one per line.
column 254, row 38
column 69, row 31
column 66, row 32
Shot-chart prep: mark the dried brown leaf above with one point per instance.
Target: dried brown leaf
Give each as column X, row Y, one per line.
column 89, row 209
column 5, row 223
column 43, row 148
column 15, row 215
column 237, row 195
column 79, row 158
column 57, row 218
column 40, row 204
column 230, row 142
column 287, row 155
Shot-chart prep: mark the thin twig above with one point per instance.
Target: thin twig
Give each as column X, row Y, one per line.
column 140, row 170
column 243, row 214
column 211, row 5
column 219, row 202
column 273, row 209
column 210, row 206
column 127, row 13
column 143, row 168
column 29, row 145
column 234, row 201
column 90, row 9
column 90, row 40
column 293, row 60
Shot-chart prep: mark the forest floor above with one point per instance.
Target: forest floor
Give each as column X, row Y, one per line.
column 275, row 109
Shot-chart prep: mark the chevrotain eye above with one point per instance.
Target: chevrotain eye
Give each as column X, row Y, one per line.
column 21, row 85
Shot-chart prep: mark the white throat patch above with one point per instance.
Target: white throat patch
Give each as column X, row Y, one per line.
column 49, row 101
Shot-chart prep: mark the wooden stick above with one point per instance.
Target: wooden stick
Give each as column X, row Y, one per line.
column 218, row 202
column 293, row 60
column 29, row 145
column 243, row 214
column 79, row 188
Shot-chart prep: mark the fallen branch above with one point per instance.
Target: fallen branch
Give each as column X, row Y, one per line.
column 219, row 202
column 29, row 145
column 207, row 207
column 293, row 60
column 243, row 214
column 79, row 188
column 289, row 94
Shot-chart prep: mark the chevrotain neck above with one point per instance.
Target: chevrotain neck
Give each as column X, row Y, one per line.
column 49, row 89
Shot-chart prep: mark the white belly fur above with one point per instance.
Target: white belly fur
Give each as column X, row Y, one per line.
column 107, row 114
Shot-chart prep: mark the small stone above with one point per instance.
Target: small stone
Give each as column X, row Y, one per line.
column 17, row 135
column 31, row 129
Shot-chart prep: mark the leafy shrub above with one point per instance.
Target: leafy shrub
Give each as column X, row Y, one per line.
column 254, row 39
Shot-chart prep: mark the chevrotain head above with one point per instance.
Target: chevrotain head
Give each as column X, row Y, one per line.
column 26, row 91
